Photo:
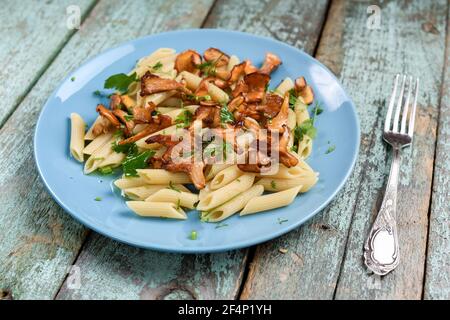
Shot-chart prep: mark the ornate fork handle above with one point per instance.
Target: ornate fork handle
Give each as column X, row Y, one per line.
column 381, row 252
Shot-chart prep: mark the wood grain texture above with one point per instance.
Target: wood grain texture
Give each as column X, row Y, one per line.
column 367, row 61
column 32, row 33
column 110, row 270
column 40, row 241
column 437, row 277
column 107, row 269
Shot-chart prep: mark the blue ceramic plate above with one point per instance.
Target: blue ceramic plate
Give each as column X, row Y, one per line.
column 75, row 192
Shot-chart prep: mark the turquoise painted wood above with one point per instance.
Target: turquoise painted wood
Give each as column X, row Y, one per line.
column 437, row 276
column 27, row 46
column 40, row 241
column 211, row 276
column 324, row 258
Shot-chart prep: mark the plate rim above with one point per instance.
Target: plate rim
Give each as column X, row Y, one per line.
column 217, row 248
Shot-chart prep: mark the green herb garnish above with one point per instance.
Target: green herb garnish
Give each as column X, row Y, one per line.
column 72, row 79
column 273, row 184
column 178, row 204
column 208, row 68
column 172, row 186
column 130, row 149
column 292, row 99
column 120, row 81
column 134, row 162
column 306, row 128
column 184, row 119
column 225, row 115
column 157, row 66
column 193, row 235
column 98, row 199
column 330, row 149
column 129, row 117
column 105, row 170
column 281, row 220
column 221, row 225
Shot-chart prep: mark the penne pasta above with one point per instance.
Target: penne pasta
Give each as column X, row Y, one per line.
column 234, row 205
column 301, row 111
column 215, row 169
column 161, row 176
column 144, row 191
column 93, row 162
column 157, row 209
column 234, row 60
column 217, row 94
column 130, row 182
column 307, row 181
column 222, row 195
column 270, row 201
column 285, row 85
column 285, row 173
column 170, row 130
column 77, row 129
column 113, row 160
column 98, row 142
column 204, row 192
column 304, row 147
column 225, row 176
column 89, row 134
column 183, row 199
column 292, row 119
column 192, row 80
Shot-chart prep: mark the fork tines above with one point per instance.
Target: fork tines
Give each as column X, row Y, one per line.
column 408, row 86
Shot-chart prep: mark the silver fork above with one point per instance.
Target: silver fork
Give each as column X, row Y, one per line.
column 381, row 250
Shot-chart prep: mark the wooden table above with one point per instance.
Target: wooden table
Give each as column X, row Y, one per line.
column 39, row 242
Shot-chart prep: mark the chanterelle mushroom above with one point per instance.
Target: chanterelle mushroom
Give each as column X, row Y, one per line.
column 188, row 61
column 304, row 90
column 151, row 83
column 279, row 122
column 216, row 56
column 108, row 114
column 256, row 86
column 159, row 123
column 271, row 62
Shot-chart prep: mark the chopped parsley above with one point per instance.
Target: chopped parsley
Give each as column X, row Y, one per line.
column 100, row 94
column 98, row 199
column 118, row 134
column 292, row 99
column 178, row 204
column 196, row 98
column 157, row 66
column 106, row 170
column 184, row 119
column 317, row 109
column 273, row 184
column 193, row 235
column 221, row 225
column 306, row 128
column 120, row 81
column 72, row 79
column 281, row 220
column 225, row 115
column 134, row 162
column 330, row 149
column 129, row 148
column 129, row 117
column 208, row 68
column 172, row 187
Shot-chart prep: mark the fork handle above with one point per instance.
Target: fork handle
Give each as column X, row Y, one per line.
column 381, row 252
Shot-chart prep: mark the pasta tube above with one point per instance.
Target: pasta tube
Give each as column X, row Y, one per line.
column 222, row 195
column 270, row 201
column 225, row 176
column 97, row 143
column 161, row 176
column 77, row 130
column 234, row 205
column 184, row 199
column 157, row 209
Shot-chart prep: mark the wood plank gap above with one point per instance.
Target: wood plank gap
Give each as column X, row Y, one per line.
column 205, row 19
column 47, row 64
column 323, row 22
column 249, row 257
column 441, row 105
column 75, row 258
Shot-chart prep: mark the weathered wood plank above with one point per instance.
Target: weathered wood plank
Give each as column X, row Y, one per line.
column 108, row 267
column 39, row 241
column 366, row 60
column 32, row 33
column 437, row 277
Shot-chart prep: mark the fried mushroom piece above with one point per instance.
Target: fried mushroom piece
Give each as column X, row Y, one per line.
column 143, row 114
column 271, row 62
column 188, row 61
column 272, row 105
column 102, row 126
column 286, row 158
column 256, row 86
column 304, row 90
column 158, row 123
column 115, row 102
column 209, row 115
column 216, row 56
column 151, row 83
column 108, row 114
column 128, row 123
column 279, row 122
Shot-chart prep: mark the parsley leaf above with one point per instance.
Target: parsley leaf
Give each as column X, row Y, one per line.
column 130, row 148
column 120, row 81
column 129, row 117
column 134, row 162
column 292, row 99
column 172, row 186
column 184, row 119
column 306, row 128
column 105, row 170
column 281, row 220
column 317, row 109
column 225, row 115
column 98, row 199
column 273, row 184
column 208, row 68
column 330, row 149
column 157, row 66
